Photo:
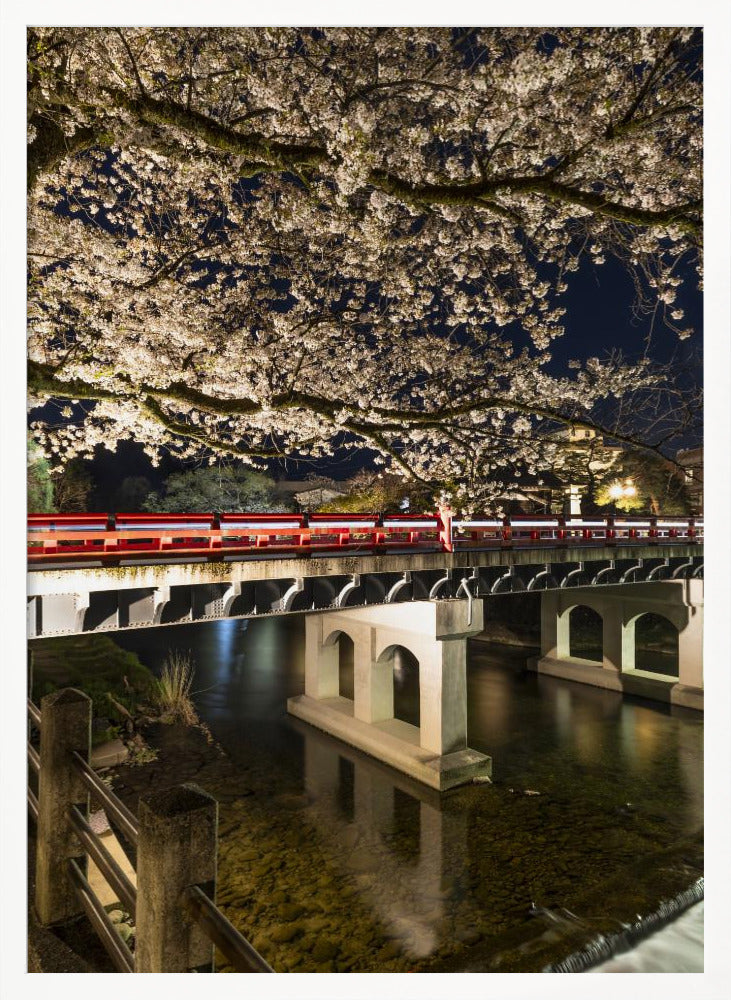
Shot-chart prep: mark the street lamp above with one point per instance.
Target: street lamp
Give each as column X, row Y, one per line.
column 621, row 491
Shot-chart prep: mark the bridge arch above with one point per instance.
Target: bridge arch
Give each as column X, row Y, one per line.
column 345, row 661
column 544, row 580
column 508, row 583
column 406, row 682
column 651, row 642
column 564, row 622
column 333, row 637
column 586, row 632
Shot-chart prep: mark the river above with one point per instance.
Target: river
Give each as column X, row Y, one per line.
column 330, row 861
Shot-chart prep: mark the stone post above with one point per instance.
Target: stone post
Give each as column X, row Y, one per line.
column 176, row 849
column 65, row 726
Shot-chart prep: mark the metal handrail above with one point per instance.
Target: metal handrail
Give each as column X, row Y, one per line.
column 115, row 810
column 243, row 956
column 104, row 861
column 52, row 537
column 34, row 758
column 35, row 713
column 33, row 805
column 115, row 947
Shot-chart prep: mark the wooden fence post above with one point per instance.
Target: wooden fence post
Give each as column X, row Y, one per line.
column 65, row 726
column 176, row 848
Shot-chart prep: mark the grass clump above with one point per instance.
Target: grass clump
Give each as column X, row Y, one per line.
column 173, row 694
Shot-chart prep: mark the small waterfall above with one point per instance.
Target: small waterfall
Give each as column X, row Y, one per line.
column 602, row 948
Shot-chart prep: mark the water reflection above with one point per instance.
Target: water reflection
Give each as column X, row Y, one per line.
column 536, row 728
column 244, row 672
column 541, row 729
column 403, row 844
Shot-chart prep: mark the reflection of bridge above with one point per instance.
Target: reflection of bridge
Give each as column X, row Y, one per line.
column 416, row 583
column 411, row 901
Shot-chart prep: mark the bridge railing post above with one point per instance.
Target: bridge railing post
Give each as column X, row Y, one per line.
column 65, row 727
column 506, row 534
column 610, row 534
column 445, row 515
column 561, row 532
column 176, row 849
column 652, row 532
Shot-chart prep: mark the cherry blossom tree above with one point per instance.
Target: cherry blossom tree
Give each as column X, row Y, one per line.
column 261, row 242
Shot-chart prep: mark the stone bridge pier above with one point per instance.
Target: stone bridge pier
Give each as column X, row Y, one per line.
column 435, row 632
column 678, row 601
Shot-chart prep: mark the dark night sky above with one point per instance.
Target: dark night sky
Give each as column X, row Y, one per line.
column 599, row 317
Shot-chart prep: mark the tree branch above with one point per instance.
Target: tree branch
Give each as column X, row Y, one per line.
column 42, row 380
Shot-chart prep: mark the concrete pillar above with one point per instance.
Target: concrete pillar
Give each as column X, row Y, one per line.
column 620, row 606
column 563, row 634
column 65, row 727
column 690, row 649
column 443, row 696
column 373, row 680
column 176, row 849
column 435, row 632
column 322, row 662
column 618, row 640
column 549, row 624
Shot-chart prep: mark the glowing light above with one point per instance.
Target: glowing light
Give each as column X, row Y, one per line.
column 618, row 490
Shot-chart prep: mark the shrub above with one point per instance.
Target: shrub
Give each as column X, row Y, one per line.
column 173, row 696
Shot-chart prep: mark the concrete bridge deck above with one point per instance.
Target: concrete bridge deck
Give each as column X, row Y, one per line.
column 148, row 591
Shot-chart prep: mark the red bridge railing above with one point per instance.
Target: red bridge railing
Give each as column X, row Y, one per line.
column 77, row 538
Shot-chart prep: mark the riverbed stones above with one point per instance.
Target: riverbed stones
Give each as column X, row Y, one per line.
column 282, row 933
column 362, row 860
column 316, row 924
column 468, row 935
column 289, row 911
column 250, row 855
column 124, row 931
column 324, row 950
column 389, row 950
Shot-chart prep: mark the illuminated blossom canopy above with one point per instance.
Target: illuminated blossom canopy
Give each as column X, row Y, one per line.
column 262, row 242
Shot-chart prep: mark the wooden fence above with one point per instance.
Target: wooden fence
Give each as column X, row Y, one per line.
column 173, row 842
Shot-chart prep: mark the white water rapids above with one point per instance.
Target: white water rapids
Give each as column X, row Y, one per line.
column 676, row 948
